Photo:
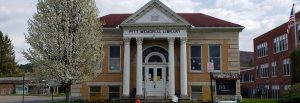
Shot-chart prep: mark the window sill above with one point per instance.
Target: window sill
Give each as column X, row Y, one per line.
column 262, row 57
column 280, row 51
column 112, row 72
column 196, row 71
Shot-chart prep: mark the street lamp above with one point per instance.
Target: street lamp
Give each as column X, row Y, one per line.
column 44, row 90
column 51, row 83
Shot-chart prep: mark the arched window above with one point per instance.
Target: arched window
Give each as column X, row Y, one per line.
column 155, row 58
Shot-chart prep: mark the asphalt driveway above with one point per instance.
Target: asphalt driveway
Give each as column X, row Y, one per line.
column 29, row 99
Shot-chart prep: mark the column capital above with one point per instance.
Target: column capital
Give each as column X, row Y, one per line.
column 139, row 41
column 171, row 40
column 183, row 40
column 127, row 40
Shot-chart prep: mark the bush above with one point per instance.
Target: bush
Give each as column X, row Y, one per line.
column 292, row 95
column 293, row 99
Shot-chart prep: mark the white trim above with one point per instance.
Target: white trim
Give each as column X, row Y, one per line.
column 191, row 91
column 164, row 77
column 108, row 69
column 146, row 8
column 154, row 45
column 183, row 33
column 157, row 54
column 190, row 56
column 221, row 63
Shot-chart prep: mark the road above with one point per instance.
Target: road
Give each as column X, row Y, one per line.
column 29, row 99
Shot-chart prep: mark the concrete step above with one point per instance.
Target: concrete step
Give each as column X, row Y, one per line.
column 148, row 100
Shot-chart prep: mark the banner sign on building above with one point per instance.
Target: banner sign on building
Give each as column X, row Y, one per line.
column 210, row 67
column 226, row 87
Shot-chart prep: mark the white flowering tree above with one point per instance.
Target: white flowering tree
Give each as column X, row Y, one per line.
column 65, row 40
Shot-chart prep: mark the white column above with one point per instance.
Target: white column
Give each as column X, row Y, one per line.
column 126, row 71
column 171, row 67
column 183, row 67
column 139, row 67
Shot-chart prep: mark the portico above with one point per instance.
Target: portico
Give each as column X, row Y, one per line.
column 154, row 68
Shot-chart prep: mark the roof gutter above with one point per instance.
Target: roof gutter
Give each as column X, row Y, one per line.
column 241, row 28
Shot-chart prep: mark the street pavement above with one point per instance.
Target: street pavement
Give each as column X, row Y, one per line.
column 29, row 99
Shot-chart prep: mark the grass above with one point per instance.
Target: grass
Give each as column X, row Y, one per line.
column 245, row 100
column 48, row 95
column 259, row 100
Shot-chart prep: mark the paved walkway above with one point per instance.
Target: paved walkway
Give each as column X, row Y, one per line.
column 29, row 99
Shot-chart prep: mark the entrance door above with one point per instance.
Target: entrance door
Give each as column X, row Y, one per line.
column 155, row 81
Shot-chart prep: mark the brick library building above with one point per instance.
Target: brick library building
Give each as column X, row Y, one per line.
column 157, row 53
column 271, row 75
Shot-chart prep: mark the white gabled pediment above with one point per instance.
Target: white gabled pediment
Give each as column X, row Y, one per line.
column 154, row 16
column 154, row 12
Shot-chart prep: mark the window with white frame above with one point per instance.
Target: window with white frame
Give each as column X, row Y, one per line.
column 95, row 91
column 287, row 87
column 286, row 67
column 215, row 56
column 257, row 72
column 265, row 92
column 274, row 69
column 196, row 92
column 280, row 43
column 114, row 58
column 264, row 70
column 275, row 91
column 247, row 77
column 196, row 63
column 114, row 92
column 262, row 49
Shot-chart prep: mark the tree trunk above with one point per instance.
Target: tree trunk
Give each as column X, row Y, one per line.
column 68, row 91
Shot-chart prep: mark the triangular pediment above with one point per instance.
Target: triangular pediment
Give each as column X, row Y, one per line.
column 154, row 12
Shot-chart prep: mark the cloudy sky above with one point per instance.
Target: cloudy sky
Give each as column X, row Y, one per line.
column 258, row 16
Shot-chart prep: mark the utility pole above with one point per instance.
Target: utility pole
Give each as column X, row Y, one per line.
column 211, row 88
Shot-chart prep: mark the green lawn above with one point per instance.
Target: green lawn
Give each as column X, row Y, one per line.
column 259, row 100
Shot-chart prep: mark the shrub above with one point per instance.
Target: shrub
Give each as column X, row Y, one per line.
column 292, row 95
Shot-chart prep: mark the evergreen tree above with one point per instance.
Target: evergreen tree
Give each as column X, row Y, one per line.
column 65, row 40
column 295, row 72
column 8, row 65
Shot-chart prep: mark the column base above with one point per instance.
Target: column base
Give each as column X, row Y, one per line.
column 125, row 97
column 184, row 97
column 139, row 96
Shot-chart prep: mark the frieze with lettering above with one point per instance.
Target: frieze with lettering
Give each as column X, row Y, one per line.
column 152, row 31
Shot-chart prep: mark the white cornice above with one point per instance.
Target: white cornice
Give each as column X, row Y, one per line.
column 239, row 29
column 147, row 7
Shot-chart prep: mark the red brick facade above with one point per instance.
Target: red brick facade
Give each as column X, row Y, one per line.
column 275, row 79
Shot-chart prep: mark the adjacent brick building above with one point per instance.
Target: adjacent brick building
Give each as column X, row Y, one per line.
column 271, row 60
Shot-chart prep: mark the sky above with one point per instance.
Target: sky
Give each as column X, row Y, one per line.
column 257, row 16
